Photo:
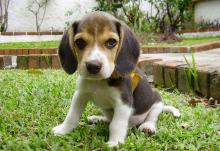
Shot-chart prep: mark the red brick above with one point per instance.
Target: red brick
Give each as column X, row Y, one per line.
column 166, row 49
column 146, row 65
column 215, row 85
column 57, row 33
column 7, row 51
column 2, row 52
column 158, row 73
column 182, row 83
column 193, row 49
column 7, row 33
column 45, row 62
column 174, row 49
column 152, row 49
column 144, row 49
column 12, row 52
column 49, row 51
column 34, row 62
column 56, row 62
column 24, row 51
column 160, row 50
column 1, row 63
column 170, row 77
column 19, row 52
column 33, row 33
column 22, row 62
column 216, row 45
column 19, row 33
column 45, row 33
column 34, row 51
column 183, row 49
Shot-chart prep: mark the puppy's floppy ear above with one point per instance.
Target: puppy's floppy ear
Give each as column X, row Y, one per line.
column 129, row 50
column 66, row 53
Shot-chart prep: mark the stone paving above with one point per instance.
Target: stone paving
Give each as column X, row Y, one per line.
column 208, row 58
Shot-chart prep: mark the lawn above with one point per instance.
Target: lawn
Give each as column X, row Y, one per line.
column 43, row 44
column 54, row 44
column 31, row 104
column 187, row 41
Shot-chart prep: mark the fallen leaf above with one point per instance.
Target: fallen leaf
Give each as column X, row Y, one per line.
column 185, row 125
column 36, row 72
column 194, row 101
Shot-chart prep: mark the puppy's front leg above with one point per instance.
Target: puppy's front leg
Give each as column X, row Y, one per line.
column 71, row 121
column 119, row 124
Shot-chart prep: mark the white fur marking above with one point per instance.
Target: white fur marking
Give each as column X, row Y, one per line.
column 107, row 67
column 172, row 109
column 119, row 124
column 150, row 123
column 73, row 115
column 97, row 118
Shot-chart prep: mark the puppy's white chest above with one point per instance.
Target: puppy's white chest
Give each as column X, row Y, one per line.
column 100, row 93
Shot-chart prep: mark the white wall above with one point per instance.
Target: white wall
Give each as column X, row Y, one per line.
column 207, row 10
column 20, row 19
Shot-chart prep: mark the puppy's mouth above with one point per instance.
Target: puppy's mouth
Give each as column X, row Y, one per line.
column 98, row 76
column 94, row 70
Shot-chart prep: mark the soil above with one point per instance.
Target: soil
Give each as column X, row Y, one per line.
column 157, row 38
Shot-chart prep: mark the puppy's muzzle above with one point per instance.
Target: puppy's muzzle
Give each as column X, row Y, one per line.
column 93, row 66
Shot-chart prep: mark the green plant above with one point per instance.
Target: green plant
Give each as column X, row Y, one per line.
column 191, row 74
column 170, row 14
column 126, row 10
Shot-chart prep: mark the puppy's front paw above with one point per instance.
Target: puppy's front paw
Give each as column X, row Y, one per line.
column 112, row 144
column 61, row 130
column 147, row 127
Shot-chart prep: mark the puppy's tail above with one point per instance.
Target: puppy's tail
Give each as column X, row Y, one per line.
column 171, row 109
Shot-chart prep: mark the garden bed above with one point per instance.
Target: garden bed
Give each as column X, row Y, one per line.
column 40, row 100
column 185, row 42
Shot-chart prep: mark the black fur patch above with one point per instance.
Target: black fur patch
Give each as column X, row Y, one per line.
column 142, row 98
column 67, row 58
column 129, row 53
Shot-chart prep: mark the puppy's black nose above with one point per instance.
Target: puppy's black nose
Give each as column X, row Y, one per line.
column 93, row 66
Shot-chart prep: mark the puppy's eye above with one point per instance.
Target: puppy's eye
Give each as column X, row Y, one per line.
column 111, row 43
column 80, row 43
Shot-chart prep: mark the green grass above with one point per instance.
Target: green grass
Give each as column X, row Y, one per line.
column 54, row 44
column 31, row 104
column 45, row 44
column 187, row 41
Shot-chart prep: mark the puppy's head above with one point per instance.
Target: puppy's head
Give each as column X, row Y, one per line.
column 97, row 45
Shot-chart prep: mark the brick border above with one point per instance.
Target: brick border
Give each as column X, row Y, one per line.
column 36, row 61
column 171, row 74
column 145, row 49
column 30, row 33
column 197, row 30
column 27, row 51
column 180, row 49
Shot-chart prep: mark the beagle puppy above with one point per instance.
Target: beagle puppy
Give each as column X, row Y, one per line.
column 105, row 52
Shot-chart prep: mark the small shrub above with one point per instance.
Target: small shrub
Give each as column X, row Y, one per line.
column 191, row 74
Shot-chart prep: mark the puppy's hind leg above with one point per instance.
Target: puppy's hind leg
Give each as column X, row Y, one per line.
column 149, row 125
column 172, row 109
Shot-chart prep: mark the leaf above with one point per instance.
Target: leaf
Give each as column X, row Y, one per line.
column 194, row 101
column 36, row 72
column 186, row 125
